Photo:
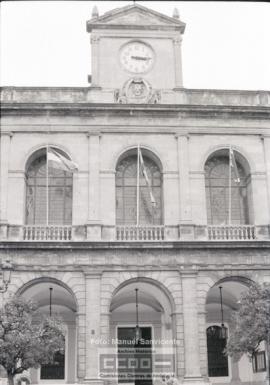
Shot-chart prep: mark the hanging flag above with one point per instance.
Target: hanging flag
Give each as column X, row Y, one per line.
column 30, row 201
column 234, row 166
column 152, row 198
column 57, row 160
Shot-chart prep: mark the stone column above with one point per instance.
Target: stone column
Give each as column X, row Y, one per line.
column 92, row 283
column 5, row 140
column 95, row 60
column 191, row 332
column 93, row 223
column 186, row 226
column 178, row 61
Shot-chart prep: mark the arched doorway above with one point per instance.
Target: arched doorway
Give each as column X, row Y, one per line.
column 140, row 331
column 54, row 298
column 222, row 368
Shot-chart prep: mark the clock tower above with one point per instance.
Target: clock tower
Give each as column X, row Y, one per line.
column 136, row 55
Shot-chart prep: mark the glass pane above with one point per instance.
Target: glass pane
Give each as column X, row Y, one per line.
column 59, row 195
column 218, row 193
column 150, row 213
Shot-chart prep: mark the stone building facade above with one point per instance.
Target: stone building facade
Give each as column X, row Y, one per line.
column 207, row 156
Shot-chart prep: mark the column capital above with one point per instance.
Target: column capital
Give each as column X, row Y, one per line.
column 94, row 39
column 7, row 133
column 89, row 274
column 93, row 133
column 177, row 40
column 188, row 272
column 180, row 134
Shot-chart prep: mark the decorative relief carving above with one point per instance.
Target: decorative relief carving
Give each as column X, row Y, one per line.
column 95, row 39
column 177, row 40
column 138, row 91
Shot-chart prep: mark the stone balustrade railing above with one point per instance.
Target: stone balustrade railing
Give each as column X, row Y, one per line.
column 139, row 233
column 191, row 232
column 226, row 232
column 47, row 233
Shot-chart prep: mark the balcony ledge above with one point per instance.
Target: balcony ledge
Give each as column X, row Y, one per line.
column 103, row 245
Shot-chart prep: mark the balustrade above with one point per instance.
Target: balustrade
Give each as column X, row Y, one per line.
column 235, row 232
column 139, row 233
column 47, row 233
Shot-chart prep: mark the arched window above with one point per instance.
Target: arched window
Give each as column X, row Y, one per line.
column 48, row 195
column 149, row 204
column 217, row 359
column 227, row 201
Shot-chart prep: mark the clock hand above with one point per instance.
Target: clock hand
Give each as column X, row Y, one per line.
column 141, row 58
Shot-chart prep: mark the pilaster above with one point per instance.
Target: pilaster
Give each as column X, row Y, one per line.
column 177, row 42
column 93, row 298
column 5, row 140
column 81, row 345
column 266, row 144
column 93, row 223
column 185, row 218
column 191, row 331
column 95, row 60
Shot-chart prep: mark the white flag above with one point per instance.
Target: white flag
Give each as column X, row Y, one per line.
column 233, row 166
column 152, row 198
column 57, row 160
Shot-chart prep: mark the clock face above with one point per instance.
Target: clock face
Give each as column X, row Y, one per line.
column 137, row 57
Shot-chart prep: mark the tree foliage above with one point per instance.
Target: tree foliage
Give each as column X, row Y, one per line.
column 27, row 338
column 251, row 322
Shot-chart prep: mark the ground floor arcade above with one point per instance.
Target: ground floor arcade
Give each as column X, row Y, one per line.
column 175, row 309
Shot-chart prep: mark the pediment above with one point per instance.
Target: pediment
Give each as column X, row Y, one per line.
column 134, row 15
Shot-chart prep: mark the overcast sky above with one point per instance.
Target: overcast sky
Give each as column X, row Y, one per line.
column 226, row 45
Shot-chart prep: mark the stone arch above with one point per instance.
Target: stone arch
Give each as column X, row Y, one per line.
column 218, row 278
column 24, row 281
column 61, row 301
column 248, row 162
column 149, row 281
column 149, row 150
column 48, row 279
column 33, row 152
column 168, row 283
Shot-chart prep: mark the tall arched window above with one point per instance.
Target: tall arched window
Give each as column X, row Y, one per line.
column 227, row 201
column 53, row 191
column 150, row 194
column 217, row 359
